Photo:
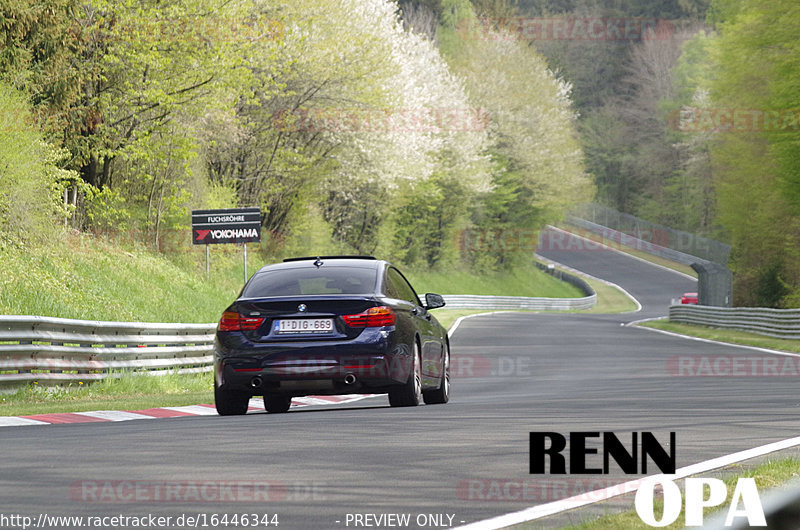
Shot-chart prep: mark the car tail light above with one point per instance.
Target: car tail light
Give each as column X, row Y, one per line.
column 232, row 321
column 371, row 318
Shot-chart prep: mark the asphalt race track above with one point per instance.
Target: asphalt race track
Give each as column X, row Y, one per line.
column 514, row 373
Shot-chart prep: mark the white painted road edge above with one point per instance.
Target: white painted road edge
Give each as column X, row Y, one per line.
column 256, row 406
column 457, row 323
column 595, row 278
column 710, row 341
column 584, row 499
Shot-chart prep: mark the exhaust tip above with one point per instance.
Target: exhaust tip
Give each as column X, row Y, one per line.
column 349, row 379
column 255, row 382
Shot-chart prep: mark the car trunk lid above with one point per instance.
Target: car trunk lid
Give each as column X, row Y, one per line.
column 304, row 318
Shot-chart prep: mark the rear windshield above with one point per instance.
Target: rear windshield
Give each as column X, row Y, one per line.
column 310, row 281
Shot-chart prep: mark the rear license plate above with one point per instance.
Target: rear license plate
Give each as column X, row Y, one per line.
column 303, row 326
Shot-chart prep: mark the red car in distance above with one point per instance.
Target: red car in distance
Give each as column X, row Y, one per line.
column 689, row 298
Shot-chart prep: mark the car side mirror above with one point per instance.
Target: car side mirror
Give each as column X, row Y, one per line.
column 433, row 300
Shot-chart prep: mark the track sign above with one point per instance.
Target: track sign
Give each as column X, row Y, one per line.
column 235, row 225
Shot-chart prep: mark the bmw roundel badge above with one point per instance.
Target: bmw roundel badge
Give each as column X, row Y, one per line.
column 302, row 308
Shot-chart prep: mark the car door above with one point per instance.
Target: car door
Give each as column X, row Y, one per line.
column 430, row 342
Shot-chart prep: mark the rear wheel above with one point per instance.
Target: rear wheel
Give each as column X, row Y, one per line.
column 230, row 402
column 441, row 394
column 410, row 394
column 277, row 404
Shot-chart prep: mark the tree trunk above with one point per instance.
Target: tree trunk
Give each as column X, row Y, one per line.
column 89, row 171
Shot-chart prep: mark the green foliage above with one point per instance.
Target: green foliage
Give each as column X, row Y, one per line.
column 539, row 167
column 107, row 210
column 694, row 71
column 606, row 142
column 426, row 219
column 619, row 89
column 504, row 211
column 122, row 106
column 757, row 168
column 37, row 55
column 348, row 131
column 355, row 214
column 30, row 179
column 219, row 196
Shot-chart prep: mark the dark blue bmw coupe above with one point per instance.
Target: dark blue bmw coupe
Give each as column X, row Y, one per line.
column 330, row 325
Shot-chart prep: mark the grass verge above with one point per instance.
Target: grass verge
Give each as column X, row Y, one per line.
column 90, row 278
column 609, row 299
column 126, row 392
column 527, row 281
column 447, row 317
column 768, row 475
column 726, row 335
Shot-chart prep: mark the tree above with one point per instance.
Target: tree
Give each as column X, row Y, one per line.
column 532, row 124
column 31, row 183
column 364, row 109
column 38, row 43
column 757, row 163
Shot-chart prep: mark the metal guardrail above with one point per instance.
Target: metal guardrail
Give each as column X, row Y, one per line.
column 780, row 323
column 652, row 233
column 62, row 349
column 473, row 301
column 564, row 276
column 34, row 348
column 470, row 301
column 629, row 240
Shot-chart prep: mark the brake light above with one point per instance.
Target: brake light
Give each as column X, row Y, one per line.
column 232, row 321
column 371, row 318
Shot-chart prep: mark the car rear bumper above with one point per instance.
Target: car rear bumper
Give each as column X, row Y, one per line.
column 372, row 363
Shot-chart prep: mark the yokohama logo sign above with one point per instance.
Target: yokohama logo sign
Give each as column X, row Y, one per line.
column 205, row 235
column 239, row 225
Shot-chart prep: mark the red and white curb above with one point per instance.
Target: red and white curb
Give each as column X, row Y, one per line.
column 256, row 405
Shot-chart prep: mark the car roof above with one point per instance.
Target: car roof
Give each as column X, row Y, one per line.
column 286, row 260
column 361, row 262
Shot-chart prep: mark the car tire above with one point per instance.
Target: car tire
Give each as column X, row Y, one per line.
column 410, row 394
column 230, row 402
column 441, row 394
column 276, row 404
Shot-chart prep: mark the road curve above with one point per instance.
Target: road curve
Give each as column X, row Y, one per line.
column 514, row 373
column 654, row 287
